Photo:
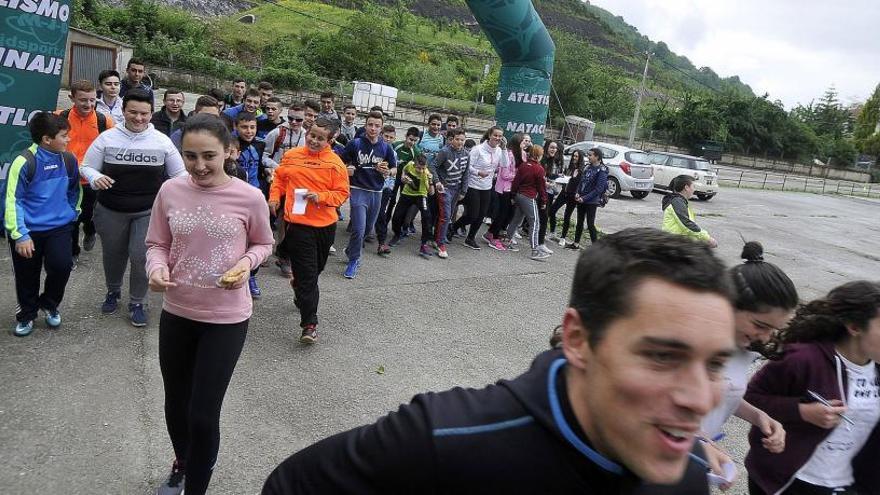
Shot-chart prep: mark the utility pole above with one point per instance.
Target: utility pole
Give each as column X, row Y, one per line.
column 635, row 123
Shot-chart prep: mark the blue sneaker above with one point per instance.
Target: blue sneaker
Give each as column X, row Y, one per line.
column 23, row 329
column 53, row 319
column 351, row 270
column 111, row 302
column 138, row 315
column 256, row 293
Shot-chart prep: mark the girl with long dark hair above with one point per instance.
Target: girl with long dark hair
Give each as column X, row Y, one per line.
column 566, row 197
column 593, row 185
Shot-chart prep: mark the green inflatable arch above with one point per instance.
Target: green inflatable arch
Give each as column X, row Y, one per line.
column 527, row 53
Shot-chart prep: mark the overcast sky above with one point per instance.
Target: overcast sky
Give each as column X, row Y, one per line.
column 791, row 49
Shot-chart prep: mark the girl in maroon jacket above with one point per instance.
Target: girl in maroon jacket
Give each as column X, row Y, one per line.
column 825, row 390
column 528, row 191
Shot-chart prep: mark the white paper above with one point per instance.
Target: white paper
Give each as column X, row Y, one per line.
column 299, row 201
column 730, row 473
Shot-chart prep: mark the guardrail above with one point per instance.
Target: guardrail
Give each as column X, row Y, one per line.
column 784, row 182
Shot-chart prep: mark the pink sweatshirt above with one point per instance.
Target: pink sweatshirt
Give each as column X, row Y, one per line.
column 199, row 233
column 506, row 173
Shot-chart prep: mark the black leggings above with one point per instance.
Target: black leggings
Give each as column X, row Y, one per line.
column 503, row 214
column 559, row 202
column 197, row 360
column 476, row 205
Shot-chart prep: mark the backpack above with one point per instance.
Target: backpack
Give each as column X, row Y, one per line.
column 102, row 119
column 31, row 170
column 603, row 199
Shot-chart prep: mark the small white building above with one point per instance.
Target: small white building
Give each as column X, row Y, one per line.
column 87, row 54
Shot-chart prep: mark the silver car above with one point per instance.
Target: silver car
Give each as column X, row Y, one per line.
column 628, row 168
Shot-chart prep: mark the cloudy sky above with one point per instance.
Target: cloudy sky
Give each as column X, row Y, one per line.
column 791, row 49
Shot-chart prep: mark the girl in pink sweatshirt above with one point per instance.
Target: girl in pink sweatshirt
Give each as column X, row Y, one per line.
column 207, row 231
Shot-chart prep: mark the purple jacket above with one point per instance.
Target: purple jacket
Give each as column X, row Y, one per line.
column 778, row 388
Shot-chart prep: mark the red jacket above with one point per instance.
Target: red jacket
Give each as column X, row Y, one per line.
column 529, row 181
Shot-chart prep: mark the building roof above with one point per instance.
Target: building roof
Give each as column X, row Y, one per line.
column 109, row 40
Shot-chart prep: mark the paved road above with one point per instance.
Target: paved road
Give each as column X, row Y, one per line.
column 81, row 407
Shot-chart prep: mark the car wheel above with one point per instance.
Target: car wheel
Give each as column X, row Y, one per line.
column 639, row 194
column 701, row 196
column 708, row 197
column 613, row 187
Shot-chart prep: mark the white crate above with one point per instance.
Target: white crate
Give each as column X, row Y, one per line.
column 368, row 94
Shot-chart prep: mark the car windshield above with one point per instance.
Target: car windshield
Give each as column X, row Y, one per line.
column 637, row 157
column 701, row 165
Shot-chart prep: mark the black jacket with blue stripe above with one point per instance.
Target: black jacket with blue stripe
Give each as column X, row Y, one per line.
column 517, row 436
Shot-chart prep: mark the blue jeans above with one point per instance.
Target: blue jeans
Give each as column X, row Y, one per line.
column 364, row 211
column 449, row 201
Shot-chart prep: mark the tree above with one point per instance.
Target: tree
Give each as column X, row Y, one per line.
column 866, row 124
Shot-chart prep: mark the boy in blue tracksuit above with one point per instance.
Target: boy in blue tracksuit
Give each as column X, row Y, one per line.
column 41, row 200
column 251, row 162
column 369, row 160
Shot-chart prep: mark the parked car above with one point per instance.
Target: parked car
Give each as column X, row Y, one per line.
column 668, row 166
column 628, row 168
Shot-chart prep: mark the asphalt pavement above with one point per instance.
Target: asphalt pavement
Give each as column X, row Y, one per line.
column 81, row 406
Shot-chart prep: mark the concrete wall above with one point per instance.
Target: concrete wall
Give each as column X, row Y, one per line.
column 123, row 52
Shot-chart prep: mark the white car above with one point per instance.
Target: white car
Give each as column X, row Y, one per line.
column 668, row 166
column 628, row 168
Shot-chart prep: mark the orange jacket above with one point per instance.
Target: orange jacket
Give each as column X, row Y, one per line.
column 83, row 131
column 321, row 173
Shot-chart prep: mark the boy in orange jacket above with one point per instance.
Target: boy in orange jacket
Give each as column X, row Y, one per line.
column 313, row 182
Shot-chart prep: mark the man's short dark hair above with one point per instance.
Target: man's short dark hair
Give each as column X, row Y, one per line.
column 245, row 117
column 452, row 118
column 266, row 86
column 388, row 128
column 349, row 107
column 458, row 131
column 376, row 108
column 252, row 92
column 107, row 73
column 217, row 94
column 314, row 105
column 46, row 124
column 413, row 131
column 171, row 91
column 434, row 116
column 207, row 101
column 328, row 94
column 275, row 99
column 137, row 95
column 134, row 61
column 375, row 114
column 238, row 80
column 680, row 182
column 332, row 125
column 608, row 273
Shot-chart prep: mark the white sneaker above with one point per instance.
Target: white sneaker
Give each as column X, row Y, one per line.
column 562, row 242
column 513, row 241
column 517, row 235
column 538, row 255
column 553, row 237
column 332, row 250
column 544, row 249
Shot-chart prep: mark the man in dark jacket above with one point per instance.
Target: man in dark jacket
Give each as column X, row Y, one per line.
column 645, row 338
column 170, row 117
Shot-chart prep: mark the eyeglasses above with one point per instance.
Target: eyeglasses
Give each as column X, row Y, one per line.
column 295, row 119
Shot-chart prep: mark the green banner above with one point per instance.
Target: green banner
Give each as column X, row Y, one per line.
column 33, row 35
column 527, row 53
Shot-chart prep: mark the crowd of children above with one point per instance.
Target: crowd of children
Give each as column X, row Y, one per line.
column 188, row 204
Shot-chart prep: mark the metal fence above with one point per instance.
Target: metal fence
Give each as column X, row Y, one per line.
column 732, row 177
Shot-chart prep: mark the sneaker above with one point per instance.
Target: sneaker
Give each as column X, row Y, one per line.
column 462, row 232
column 544, row 249
column 351, row 270
column 575, row 246
column 538, row 255
column 410, row 230
column 23, row 329
column 89, row 242
column 383, row 250
column 75, row 262
column 53, row 319
column 284, row 265
column 309, row 334
column 487, row 221
column 137, row 314
column 517, row 235
column 174, row 484
column 425, row 251
column 450, row 234
column 345, row 251
column 513, row 241
column 441, row 252
column 553, row 237
column 434, row 245
column 488, row 238
column 332, row 250
column 111, row 302
column 256, row 293
column 370, row 239
column 395, row 240
column 472, row 244
column 511, row 246
column 562, row 242
column 496, row 245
